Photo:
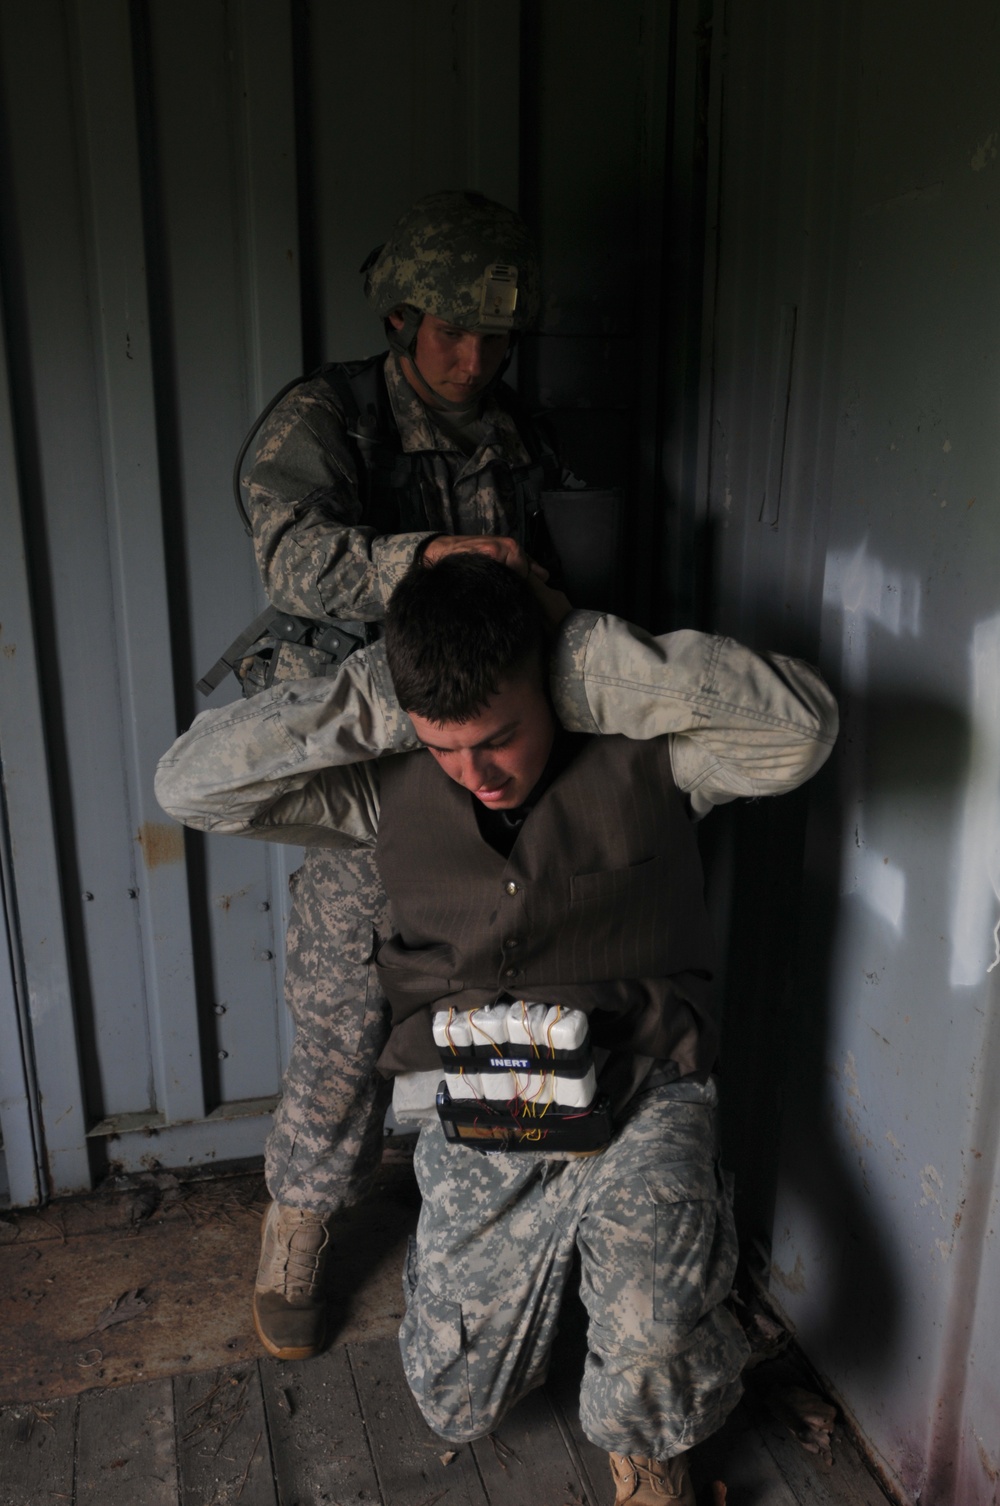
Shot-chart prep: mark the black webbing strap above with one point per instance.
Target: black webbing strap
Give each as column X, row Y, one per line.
column 236, row 651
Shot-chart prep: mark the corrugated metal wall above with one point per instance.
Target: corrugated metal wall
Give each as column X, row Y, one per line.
column 188, row 190
column 853, row 509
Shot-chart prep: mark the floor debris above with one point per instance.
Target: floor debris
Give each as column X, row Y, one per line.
column 186, row 1266
column 807, row 1416
column 123, row 1309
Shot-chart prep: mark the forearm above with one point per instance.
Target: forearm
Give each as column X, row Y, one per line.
column 743, row 723
column 275, row 765
column 316, row 555
column 314, row 566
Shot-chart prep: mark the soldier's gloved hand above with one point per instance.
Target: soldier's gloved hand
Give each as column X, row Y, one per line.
column 507, row 551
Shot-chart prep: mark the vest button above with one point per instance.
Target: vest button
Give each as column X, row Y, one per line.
column 510, row 886
column 510, row 972
column 511, row 942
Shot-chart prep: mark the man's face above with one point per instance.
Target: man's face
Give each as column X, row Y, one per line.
column 453, row 363
column 499, row 755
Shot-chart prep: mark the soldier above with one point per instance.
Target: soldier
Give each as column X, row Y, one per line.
column 358, row 471
column 526, row 862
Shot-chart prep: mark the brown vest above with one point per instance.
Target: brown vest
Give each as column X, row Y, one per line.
column 599, row 905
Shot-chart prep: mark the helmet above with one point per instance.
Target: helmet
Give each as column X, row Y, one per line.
column 462, row 258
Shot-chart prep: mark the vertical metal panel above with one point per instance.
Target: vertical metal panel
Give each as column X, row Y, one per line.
column 613, row 117
column 210, row 270
column 675, row 488
column 911, row 621
column 586, row 132
column 491, row 116
column 406, row 98
column 38, row 304
column 269, row 167
column 265, row 149
column 780, row 247
column 110, row 161
column 24, row 777
column 20, row 1140
column 883, row 1247
column 99, row 573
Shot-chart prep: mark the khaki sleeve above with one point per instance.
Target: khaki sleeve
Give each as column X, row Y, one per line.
column 293, row 763
column 741, row 723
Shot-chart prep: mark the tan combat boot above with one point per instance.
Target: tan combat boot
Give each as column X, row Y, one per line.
column 289, row 1308
column 651, row 1482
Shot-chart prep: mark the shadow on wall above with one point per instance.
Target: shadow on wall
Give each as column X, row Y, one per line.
column 782, row 931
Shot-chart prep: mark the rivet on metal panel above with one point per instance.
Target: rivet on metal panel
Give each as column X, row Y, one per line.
column 220, row 1008
column 264, row 906
column 87, row 894
column 266, row 956
column 223, row 1055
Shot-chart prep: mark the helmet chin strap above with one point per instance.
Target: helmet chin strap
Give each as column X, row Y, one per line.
column 403, row 342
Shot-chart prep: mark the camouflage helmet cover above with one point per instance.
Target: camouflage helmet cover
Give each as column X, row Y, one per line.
column 460, row 257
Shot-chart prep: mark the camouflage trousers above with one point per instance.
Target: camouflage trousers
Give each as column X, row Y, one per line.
column 326, row 1143
column 653, row 1224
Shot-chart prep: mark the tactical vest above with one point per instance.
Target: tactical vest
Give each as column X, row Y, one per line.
column 392, row 502
column 599, row 905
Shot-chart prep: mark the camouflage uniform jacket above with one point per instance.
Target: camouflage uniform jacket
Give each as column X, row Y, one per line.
column 317, row 553
column 295, row 764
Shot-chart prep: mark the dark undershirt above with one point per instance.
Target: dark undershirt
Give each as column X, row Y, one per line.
column 500, row 828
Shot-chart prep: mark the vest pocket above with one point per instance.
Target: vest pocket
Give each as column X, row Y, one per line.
column 608, row 882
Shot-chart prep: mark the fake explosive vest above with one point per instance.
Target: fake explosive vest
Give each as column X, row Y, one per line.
column 599, row 905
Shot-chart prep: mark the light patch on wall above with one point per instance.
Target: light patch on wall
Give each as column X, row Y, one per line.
column 985, row 153
column 792, row 1281
column 932, row 1186
column 871, row 597
column 851, row 1074
column 975, row 913
column 869, row 592
column 880, row 884
column 805, row 1258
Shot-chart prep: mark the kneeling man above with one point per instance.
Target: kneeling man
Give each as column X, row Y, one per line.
column 541, row 876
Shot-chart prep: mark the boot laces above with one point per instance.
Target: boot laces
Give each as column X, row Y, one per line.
column 660, row 1478
column 299, row 1253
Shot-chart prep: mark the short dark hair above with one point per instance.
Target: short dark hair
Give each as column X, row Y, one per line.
column 455, row 631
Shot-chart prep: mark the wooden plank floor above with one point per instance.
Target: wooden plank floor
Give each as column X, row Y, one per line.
column 343, row 1429
column 180, row 1411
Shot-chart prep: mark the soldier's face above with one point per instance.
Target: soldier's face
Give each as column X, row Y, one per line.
column 453, row 363
column 499, row 755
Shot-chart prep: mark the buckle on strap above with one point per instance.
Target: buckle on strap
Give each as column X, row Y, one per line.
column 336, row 641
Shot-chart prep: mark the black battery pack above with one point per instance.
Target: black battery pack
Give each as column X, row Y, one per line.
column 486, row 1126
